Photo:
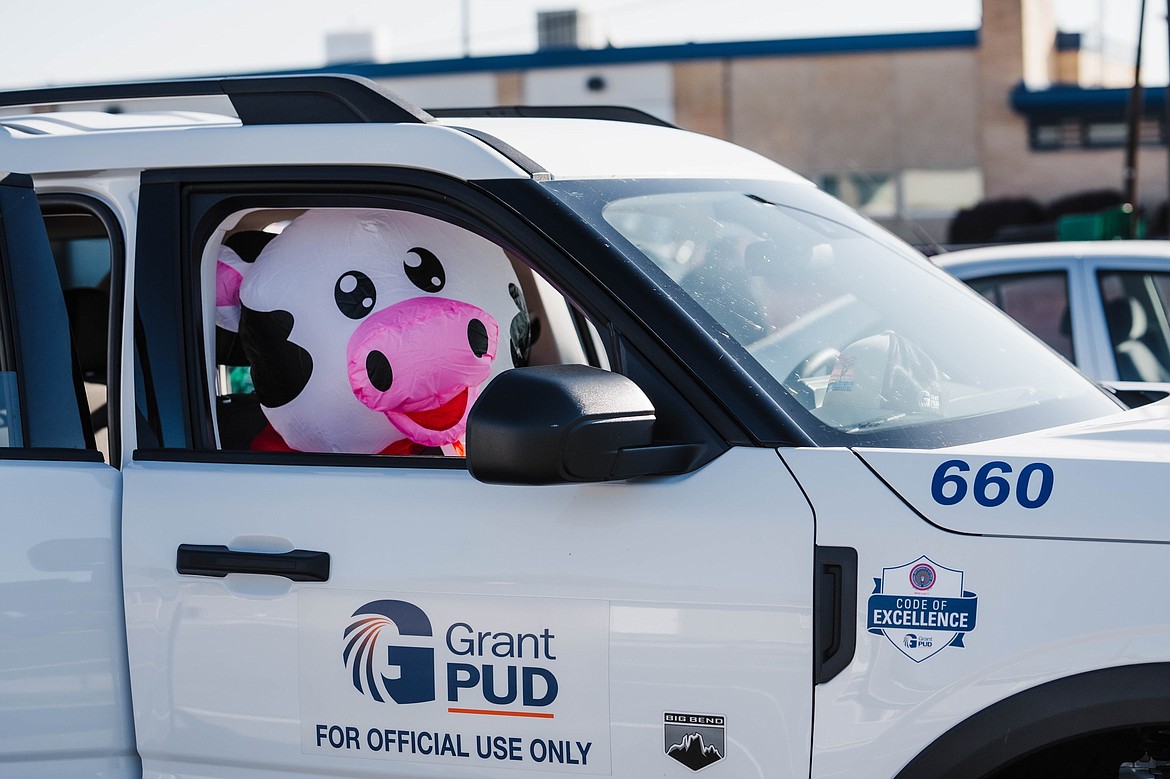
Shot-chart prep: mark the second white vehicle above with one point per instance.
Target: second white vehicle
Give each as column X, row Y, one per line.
column 1104, row 305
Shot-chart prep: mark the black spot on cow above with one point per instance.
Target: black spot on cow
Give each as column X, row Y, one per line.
column 355, row 294
column 520, row 331
column 428, row 275
column 280, row 368
column 247, row 244
column 477, row 337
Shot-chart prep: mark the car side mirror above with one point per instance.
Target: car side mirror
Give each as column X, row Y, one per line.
column 553, row 424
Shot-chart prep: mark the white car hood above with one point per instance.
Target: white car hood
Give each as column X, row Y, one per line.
column 1109, row 479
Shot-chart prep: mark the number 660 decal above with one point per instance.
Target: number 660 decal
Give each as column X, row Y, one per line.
column 991, row 487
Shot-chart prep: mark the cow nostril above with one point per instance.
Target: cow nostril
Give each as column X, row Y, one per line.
column 378, row 369
column 477, row 337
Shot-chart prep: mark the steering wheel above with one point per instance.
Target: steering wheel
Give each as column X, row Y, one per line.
column 816, row 363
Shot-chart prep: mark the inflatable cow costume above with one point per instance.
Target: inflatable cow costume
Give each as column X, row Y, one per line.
column 372, row 331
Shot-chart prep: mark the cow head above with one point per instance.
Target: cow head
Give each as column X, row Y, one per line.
column 364, row 327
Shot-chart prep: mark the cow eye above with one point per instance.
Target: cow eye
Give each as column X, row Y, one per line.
column 428, row 275
column 355, row 294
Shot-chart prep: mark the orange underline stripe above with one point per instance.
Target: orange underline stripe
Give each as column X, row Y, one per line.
column 489, row 712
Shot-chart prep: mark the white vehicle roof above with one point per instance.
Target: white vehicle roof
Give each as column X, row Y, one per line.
column 382, row 129
column 955, row 261
column 592, row 148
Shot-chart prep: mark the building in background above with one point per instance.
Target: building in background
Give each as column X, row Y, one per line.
column 908, row 128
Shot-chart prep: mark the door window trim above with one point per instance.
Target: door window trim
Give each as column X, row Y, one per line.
column 184, row 208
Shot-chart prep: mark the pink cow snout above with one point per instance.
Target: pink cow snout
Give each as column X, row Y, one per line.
column 421, row 362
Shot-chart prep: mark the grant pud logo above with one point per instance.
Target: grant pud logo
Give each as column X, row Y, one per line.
column 389, row 652
column 922, row 608
column 413, row 667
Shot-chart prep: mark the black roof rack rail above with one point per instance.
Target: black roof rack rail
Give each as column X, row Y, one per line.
column 296, row 99
column 613, row 113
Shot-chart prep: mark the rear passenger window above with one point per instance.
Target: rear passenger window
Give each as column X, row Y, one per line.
column 1038, row 301
column 368, row 330
column 82, row 246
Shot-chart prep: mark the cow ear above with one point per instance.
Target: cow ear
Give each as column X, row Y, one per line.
column 229, row 275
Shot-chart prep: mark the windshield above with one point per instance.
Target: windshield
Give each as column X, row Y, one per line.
column 861, row 334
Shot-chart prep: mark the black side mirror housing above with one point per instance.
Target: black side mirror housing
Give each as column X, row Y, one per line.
column 555, row 424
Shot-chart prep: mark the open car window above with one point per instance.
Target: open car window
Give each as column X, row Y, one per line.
column 366, row 330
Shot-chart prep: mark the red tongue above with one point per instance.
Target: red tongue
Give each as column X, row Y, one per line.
column 441, row 418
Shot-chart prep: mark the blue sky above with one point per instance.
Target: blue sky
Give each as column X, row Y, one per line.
column 81, row 41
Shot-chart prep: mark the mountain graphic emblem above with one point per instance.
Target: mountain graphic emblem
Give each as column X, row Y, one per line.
column 693, row 753
column 695, row 740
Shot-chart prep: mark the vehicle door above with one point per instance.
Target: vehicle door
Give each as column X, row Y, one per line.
column 295, row 606
column 64, row 693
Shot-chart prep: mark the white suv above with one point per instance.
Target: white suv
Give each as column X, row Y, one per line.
column 389, row 444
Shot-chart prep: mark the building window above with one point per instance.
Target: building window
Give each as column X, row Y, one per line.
column 940, row 193
column 1057, row 135
column 913, row 193
column 1085, row 133
column 873, row 193
column 1105, row 134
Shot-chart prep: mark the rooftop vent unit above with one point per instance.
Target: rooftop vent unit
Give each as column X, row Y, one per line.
column 357, row 46
column 561, row 30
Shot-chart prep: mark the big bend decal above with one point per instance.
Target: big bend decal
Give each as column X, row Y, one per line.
column 511, row 682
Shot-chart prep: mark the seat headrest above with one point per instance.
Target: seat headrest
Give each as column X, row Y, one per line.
column 1126, row 318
